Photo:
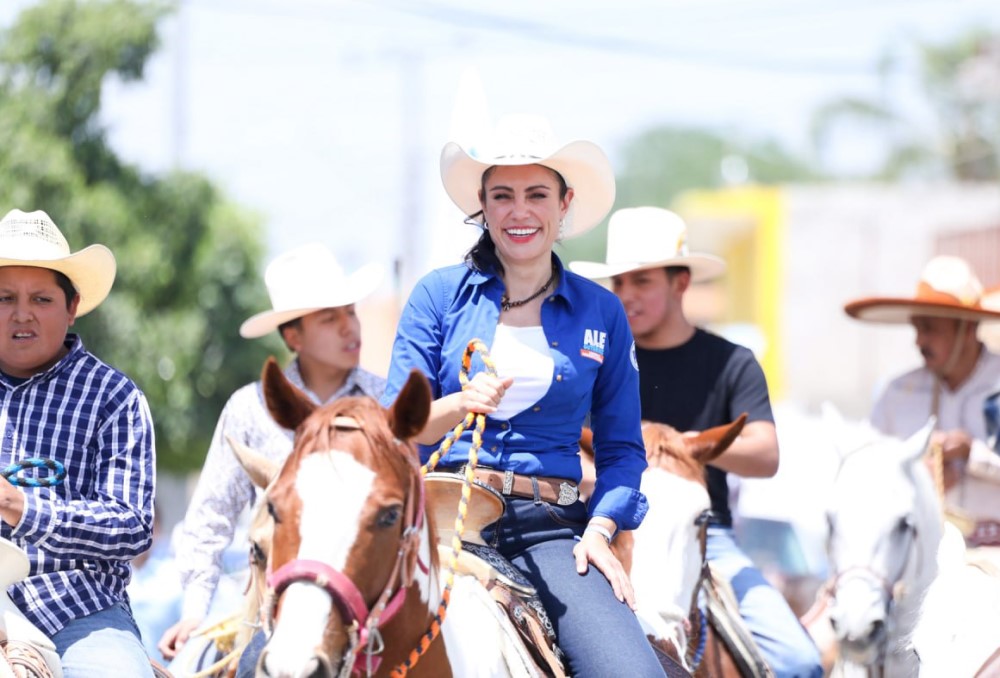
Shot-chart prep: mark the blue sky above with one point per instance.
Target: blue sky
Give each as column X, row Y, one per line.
column 327, row 117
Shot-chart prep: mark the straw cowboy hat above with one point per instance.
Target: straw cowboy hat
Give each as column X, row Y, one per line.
column 33, row 239
column 14, row 564
column 640, row 238
column 947, row 289
column 305, row 280
column 528, row 140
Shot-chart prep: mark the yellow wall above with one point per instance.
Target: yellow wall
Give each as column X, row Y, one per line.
column 755, row 277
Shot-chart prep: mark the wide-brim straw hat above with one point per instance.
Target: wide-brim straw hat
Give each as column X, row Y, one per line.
column 33, row 239
column 641, row 238
column 948, row 288
column 305, row 280
column 528, row 140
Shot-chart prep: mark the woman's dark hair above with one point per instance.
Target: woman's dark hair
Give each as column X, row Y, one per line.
column 483, row 255
column 66, row 285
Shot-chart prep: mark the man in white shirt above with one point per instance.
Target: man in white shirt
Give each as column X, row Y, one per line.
column 958, row 374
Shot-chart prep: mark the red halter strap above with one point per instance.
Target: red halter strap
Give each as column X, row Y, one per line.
column 346, row 595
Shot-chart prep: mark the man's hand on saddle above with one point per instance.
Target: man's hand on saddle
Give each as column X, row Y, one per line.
column 955, row 446
column 484, row 392
column 594, row 548
column 176, row 636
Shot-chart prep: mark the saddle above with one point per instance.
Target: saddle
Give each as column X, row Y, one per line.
column 724, row 616
column 512, row 592
column 25, row 652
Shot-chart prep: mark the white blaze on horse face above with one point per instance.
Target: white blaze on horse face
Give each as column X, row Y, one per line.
column 333, row 487
column 666, row 561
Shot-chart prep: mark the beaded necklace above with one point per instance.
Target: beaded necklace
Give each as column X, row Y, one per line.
column 506, row 304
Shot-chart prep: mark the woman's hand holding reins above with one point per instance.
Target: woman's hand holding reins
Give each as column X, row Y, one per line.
column 594, row 548
column 482, row 394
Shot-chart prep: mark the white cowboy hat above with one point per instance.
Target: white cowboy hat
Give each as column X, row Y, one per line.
column 528, row 140
column 640, row 238
column 947, row 289
column 305, row 280
column 33, row 239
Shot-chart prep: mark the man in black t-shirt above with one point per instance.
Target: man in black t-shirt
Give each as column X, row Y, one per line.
column 692, row 380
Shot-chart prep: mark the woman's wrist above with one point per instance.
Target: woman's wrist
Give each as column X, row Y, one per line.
column 601, row 530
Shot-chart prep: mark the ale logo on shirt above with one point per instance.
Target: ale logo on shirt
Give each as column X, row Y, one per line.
column 593, row 345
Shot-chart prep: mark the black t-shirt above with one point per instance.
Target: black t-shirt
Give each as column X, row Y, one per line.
column 705, row 382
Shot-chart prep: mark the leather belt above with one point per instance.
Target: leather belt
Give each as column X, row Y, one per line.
column 557, row 491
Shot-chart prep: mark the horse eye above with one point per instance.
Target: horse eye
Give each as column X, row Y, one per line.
column 389, row 516
column 272, row 512
column 257, row 553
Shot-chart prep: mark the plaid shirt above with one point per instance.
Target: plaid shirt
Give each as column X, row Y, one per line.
column 225, row 490
column 81, row 534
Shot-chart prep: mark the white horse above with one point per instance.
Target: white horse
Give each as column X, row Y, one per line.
column 957, row 631
column 885, row 525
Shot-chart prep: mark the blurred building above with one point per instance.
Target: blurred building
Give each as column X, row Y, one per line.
column 796, row 254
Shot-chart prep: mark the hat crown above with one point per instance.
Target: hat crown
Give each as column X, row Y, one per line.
column 520, row 137
column 951, row 276
column 31, row 236
column 303, row 277
column 645, row 234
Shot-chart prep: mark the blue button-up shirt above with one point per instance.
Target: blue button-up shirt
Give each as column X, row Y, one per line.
column 79, row 535
column 595, row 371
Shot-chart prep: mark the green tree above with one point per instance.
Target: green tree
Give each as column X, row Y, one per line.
column 188, row 259
column 663, row 162
column 955, row 132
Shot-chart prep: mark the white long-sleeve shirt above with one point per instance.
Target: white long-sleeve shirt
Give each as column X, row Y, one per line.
column 906, row 404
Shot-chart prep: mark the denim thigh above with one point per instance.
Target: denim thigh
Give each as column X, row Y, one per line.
column 105, row 643
column 599, row 635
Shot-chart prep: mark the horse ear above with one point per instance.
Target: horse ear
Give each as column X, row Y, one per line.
column 408, row 414
column 260, row 469
column 918, row 443
column 288, row 406
column 710, row 443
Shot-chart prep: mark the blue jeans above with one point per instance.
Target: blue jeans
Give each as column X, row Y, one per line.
column 599, row 635
column 106, row 643
column 785, row 644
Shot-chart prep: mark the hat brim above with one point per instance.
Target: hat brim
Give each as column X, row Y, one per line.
column 357, row 286
column 704, row 267
column 91, row 270
column 900, row 311
column 583, row 165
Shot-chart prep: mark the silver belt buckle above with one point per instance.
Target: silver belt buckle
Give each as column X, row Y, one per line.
column 508, row 482
column 568, row 494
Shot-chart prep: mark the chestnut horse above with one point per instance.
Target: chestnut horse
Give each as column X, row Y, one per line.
column 353, row 577
column 671, row 539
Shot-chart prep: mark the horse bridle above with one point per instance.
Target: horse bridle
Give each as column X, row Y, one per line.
column 345, row 594
column 892, row 589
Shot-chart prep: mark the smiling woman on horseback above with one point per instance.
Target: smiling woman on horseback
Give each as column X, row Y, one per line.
column 562, row 349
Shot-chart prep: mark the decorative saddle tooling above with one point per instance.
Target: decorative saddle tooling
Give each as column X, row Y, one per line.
column 514, row 594
column 724, row 615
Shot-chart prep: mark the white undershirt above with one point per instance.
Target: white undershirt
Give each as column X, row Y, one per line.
column 522, row 353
